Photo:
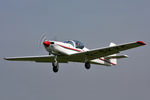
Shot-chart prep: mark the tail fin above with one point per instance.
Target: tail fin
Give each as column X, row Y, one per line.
column 114, row 60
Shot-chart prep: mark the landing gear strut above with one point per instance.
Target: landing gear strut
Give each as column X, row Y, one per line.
column 55, row 65
column 87, row 65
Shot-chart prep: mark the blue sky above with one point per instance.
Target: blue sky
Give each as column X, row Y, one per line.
column 96, row 23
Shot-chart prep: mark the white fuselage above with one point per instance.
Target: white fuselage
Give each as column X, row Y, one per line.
column 61, row 48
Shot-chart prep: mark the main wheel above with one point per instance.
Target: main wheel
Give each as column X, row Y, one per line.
column 87, row 65
column 55, row 66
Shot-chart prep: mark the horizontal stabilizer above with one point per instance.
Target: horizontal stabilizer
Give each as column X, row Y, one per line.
column 116, row 57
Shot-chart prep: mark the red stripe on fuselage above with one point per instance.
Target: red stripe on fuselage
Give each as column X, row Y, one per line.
column 70, row 48
column 107, row 61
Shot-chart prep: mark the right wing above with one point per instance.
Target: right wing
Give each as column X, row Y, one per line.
column 104, row 52
column 42, row 58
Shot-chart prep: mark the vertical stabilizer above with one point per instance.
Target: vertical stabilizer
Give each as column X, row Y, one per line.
column 112, row 44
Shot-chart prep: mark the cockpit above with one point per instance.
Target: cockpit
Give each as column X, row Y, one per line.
column 75, row 43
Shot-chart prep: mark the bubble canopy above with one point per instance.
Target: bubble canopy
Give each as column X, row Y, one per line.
column 75, row 43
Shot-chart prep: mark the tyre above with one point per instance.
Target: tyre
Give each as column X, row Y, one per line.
column 87, row 65
column 55, row 66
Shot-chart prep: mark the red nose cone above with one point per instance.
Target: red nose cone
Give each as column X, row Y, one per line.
column 46, row 43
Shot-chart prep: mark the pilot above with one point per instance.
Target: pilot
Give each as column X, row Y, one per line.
column 78, row 44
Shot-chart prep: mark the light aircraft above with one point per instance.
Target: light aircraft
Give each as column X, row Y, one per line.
column 75, row 51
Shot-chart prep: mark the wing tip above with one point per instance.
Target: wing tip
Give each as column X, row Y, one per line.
column 141, row 42
column 5, row 58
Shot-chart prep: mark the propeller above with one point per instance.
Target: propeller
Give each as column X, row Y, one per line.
column 44, row 42
column 42, row 39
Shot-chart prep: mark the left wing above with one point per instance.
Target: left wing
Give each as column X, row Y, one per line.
column 42, row 58
column 103, row 52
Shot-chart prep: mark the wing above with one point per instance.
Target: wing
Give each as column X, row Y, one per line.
column 103, row 52
column 42, row 58
column 80, row 57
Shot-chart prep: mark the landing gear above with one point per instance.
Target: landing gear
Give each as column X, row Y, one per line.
column 87, row 65
column 55, row 65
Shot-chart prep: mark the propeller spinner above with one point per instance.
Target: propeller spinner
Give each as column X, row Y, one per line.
column 47, row 43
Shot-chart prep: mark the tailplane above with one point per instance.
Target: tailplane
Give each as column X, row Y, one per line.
column 114, row 60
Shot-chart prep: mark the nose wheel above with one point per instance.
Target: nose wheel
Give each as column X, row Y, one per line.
column 55, row 66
